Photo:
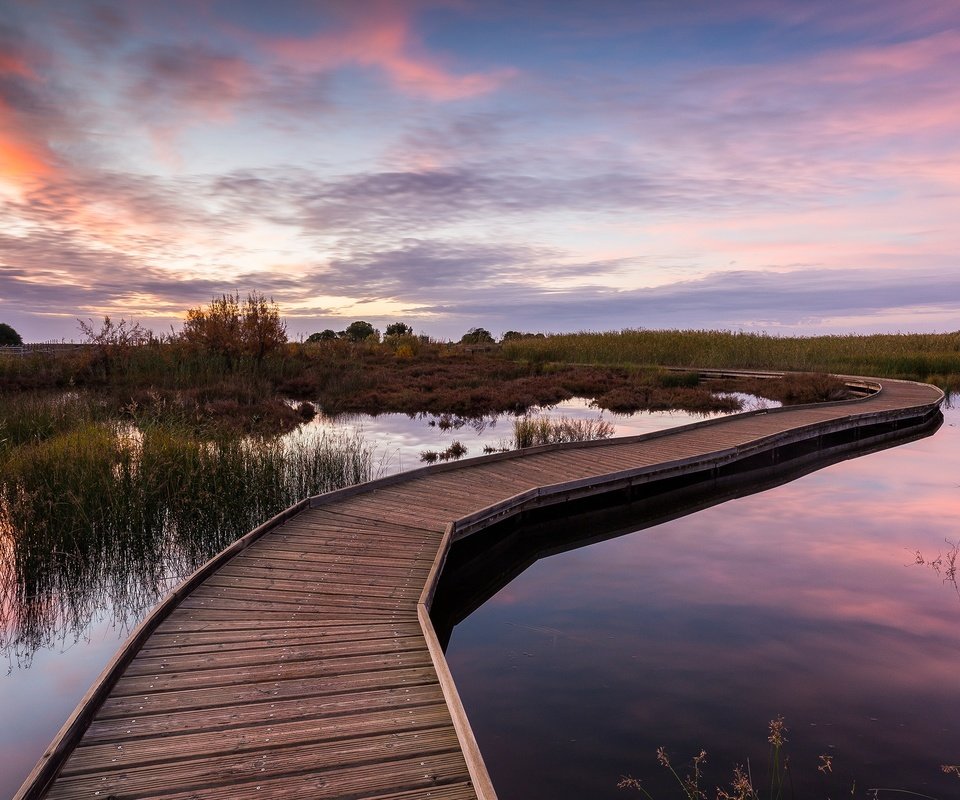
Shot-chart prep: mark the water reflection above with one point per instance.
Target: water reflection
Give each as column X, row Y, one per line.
column 401, row 438
column 801, row 601
column 105, row 517
column 65, row 604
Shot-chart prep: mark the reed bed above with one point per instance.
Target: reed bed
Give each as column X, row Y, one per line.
column 926, row 357
column 106, row 515
column 532, row 430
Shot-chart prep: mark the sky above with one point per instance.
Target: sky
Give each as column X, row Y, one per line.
column 765, row 165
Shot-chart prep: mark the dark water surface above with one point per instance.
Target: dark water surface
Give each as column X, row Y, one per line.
column 802, row 601
column 798, row 601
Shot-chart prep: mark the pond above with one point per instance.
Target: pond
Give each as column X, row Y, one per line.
column 81, row 606
column 804, row 601
column 690, row 634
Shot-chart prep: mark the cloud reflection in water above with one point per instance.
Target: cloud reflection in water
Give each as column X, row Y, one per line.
column 802, row 601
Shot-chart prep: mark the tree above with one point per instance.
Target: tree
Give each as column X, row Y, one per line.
column 477, row 336
column 262, row 330
column 8, row 336
column 325, row 335
column 233, row 328
column 513, row 336
column 399, row 329
column 359, row 331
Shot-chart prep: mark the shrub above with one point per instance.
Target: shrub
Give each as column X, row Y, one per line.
column 360, row 331
column 232, row 328
column 114, row 342
column 398, row 329
column 8, row 336
column 477, row 336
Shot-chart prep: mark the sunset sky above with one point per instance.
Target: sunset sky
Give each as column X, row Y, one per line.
column 773, row 165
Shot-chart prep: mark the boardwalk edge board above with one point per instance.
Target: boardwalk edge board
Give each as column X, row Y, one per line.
column 479, row 776
column 914, row 402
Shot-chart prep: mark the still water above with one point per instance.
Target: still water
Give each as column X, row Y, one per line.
column 53, row 656
column 799, row 601
column 803, row 601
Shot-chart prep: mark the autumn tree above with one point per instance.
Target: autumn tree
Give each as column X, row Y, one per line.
column 326, row 335
column 234, row 328
column 262, row 329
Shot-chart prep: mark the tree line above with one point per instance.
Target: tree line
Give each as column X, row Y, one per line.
column 235, row 328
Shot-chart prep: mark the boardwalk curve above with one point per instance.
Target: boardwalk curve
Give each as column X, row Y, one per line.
column 302, row 662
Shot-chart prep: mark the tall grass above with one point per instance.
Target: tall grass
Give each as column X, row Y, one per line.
column 106, row 515
column 928, row 357
column 30, row 417
column 532, row 430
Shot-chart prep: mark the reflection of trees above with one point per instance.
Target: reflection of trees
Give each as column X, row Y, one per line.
column 98, row 520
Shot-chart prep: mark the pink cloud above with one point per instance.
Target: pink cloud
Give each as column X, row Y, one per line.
column 868, row 63
column 875, row 91
column 379, row 35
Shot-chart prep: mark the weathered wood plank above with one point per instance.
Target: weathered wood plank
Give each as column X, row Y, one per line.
column 151, row 664
column 278, row 600
column 264, row 734
column 380, row 705
column 319, row 564
column 191, row 647
column 163, row 681
column 137, row 703
column 269, row 763
column 295, row 586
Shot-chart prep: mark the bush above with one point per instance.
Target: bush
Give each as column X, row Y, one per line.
column 398, row 329
column 360, row 331
column 233, row 328
column 114, row 343
column 477, row 336
column 8, row 336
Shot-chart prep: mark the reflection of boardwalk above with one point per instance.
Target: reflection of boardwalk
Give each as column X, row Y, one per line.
column 302, row 662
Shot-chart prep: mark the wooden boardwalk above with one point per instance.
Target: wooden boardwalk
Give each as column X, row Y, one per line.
column 301, row 661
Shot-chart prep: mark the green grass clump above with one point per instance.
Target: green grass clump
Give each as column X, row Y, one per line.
column 32, row 417
column 533, row 430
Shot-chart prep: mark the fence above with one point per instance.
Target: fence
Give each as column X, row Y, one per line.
column 42, row 348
